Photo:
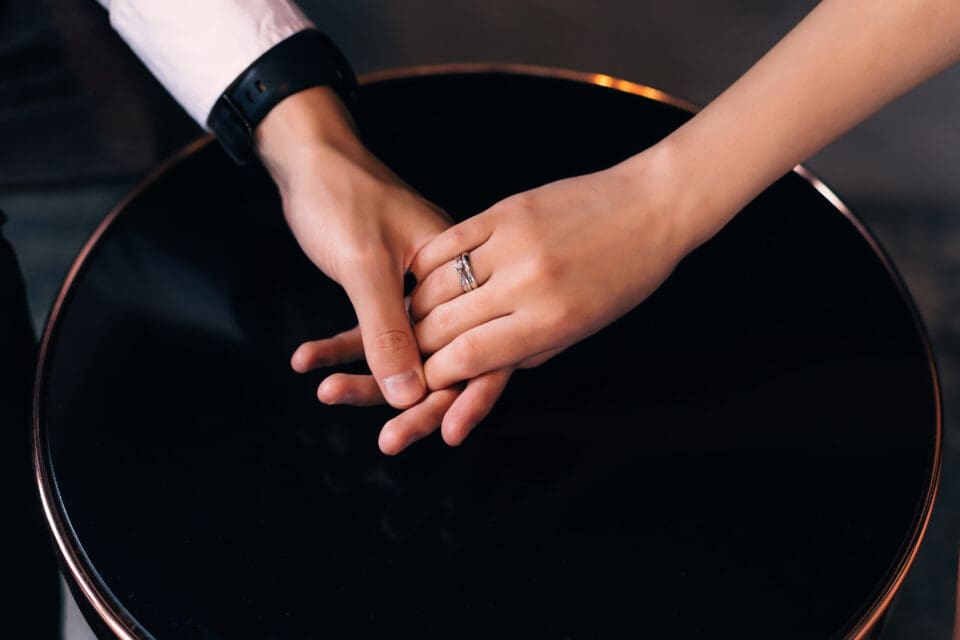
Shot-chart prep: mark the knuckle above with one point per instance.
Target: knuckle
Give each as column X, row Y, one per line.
column 567, row 320
column 469, row 353
column 360, row 259
column 541, row 270
column 442, row 318
column 433, row 287
column 458, row 235
column 543, row 267
column 521, row 205
column 391, row 341
column 559, row 319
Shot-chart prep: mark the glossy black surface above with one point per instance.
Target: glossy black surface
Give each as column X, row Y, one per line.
column 32, row 608
column 747, row 454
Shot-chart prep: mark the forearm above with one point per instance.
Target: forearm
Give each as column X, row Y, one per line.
column 301, row 127
column 843, row 62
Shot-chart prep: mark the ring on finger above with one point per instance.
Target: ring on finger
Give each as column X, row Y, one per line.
column 468, row 281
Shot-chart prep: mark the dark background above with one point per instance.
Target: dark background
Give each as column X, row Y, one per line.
column 81, row 121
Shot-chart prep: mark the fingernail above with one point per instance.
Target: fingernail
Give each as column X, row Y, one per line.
column 403, row 388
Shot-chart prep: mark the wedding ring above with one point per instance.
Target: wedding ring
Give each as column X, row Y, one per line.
column 462, row 264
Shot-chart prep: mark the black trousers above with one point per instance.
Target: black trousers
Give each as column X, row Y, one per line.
column 32, row 600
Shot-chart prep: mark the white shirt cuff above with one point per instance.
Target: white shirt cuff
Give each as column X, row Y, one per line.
column 196, row 48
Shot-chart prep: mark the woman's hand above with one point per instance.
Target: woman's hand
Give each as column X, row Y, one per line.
column 553, row 265
column 358, row 222
column 558, row 263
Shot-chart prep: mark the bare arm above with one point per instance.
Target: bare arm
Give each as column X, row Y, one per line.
column 627, row 227
column 843, row 62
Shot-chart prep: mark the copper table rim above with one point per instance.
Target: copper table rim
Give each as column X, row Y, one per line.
column 125, row 626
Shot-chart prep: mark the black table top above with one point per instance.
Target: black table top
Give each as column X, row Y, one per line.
column 769, row 469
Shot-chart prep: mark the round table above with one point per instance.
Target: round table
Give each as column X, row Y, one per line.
column 752, row 452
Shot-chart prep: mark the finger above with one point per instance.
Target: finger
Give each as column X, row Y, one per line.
column 416, row 422
column 466, row 236
column 339, row 349
column 346, row 388
column 539, row 359
column 443, row 283
column 501, row 342
column 473, row 405
column 388, row 342
column 447, row 321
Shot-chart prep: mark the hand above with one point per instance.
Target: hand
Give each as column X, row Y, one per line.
column 358, row 222
column 554, row 265
column 454, row 410
column 362, row 226
column 601, row 222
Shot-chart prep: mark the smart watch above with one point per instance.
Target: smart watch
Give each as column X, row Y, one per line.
column 306, row 59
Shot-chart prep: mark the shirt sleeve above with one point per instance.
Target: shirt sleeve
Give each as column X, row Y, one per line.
column 196, row 48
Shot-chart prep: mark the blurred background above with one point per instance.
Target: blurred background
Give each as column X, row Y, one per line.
column 81, row 122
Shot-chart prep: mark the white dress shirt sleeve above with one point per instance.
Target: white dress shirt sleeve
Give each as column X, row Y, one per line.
column 196, row 48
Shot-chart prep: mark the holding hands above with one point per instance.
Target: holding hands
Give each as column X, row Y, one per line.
column 558, row 263
column 359, row 223
column 551, row 266
column 362, row 226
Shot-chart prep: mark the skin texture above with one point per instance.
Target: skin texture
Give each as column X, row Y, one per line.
column 358, row 222
column 361, row 225
column 552, row 270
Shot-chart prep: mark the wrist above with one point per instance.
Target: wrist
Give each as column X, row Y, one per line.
column 688, row 187
column 305, row 125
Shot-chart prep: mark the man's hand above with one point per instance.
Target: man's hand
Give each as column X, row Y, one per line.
column 358, row 222
column 554, row 265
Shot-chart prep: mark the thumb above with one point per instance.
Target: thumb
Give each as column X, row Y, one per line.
column 388, row 341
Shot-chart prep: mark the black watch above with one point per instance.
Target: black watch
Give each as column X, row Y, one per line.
column 306, row 59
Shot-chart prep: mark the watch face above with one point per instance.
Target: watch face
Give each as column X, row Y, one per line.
column 757, row 441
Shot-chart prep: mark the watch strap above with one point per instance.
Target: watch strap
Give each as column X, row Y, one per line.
column 306, row 59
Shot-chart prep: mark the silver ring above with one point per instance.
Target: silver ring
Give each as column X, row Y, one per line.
column 462, row 264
